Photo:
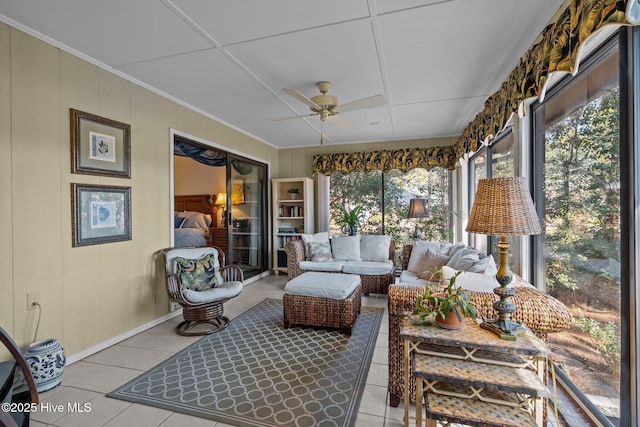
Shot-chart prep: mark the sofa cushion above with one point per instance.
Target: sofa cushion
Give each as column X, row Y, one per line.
column 329, row 266
column 372, row 268
column 471, row 281
column 374, row 247
column 346, row 248
column 225, row 290
column 334, row 286
column 407, row 277
column 318, row 252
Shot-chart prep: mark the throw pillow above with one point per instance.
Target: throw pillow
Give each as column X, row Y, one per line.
column 464, row 259
column 430, row 263
column 321, row 237
column 374, row 248
column 318, row 252
column 197, row 274
column 419, row 250
column 471, row 281
column 486, row 265
column 346, row 248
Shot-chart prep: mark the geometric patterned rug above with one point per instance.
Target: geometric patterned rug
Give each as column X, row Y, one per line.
column 256, row 373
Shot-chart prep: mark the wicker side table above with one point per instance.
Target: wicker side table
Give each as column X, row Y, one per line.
column 471, row 376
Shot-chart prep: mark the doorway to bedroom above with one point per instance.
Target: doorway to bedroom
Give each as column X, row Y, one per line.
column 222, row 197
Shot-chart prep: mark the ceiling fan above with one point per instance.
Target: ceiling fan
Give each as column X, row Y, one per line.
column 327, row 106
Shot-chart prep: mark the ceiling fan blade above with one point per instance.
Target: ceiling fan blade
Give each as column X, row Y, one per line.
column 300, row 97
column 370, row 102
column 339, row 121
column 293, row 117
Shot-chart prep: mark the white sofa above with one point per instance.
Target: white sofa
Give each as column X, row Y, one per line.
column 369, row 256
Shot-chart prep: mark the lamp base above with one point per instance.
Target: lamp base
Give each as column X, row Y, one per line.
column 505, row 329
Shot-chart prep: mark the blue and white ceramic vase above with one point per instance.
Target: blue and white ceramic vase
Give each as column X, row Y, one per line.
column 46, row 360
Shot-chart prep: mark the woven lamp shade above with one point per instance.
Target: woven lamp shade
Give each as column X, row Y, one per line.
column 503, row 207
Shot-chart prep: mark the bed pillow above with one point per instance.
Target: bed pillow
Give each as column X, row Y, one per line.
column 346, row 248
column 319, row 252
column 430, row 263
column 374, row 248
column 197, row 274
column 486, row 265
column 476, row 282
column 177, row 220
column 195, row 219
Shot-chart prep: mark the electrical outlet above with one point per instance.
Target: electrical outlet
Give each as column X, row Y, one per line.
column 32, row 299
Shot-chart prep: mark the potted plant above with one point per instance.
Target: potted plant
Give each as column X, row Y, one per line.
column 349, row 220
column 447, row 307
column 293, row 193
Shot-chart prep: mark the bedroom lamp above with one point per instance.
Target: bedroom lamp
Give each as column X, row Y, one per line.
column 503, row 207
column 417, row 209
column 221, row 200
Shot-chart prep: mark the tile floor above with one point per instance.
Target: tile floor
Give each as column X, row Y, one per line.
column 88, row 380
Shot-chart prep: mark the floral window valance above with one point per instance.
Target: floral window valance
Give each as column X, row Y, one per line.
column 386, row 160
column 557, row 50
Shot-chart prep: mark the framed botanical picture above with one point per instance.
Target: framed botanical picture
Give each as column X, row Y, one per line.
column 100, row 214
column 100, row 146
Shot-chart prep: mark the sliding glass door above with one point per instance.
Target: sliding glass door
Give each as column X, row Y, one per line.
column 233, row 193
column 247, row 221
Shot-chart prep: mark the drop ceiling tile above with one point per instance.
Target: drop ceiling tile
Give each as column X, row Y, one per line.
column 344, row 54
column 469, row 53
column 231, row 22
column 114, row 32
column 208, row 80
column 435, row 119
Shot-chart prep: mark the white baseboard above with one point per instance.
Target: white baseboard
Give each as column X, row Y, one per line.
column 118, row 338
column 115, row 340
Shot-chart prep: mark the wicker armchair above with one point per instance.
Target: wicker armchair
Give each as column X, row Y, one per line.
column 539, row 311
column 374, row 284
column 202, row 307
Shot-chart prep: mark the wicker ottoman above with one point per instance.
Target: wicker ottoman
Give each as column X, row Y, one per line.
column 328, row 300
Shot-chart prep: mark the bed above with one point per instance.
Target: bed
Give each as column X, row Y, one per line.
column 193, row 219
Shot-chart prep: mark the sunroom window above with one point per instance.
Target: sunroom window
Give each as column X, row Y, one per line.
column 578, row 256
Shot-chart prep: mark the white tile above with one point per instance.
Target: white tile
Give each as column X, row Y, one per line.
column 54, row 406
column 171, row 342
column 102, row 409
column 181, row 420
column 97, row 377
column 373, row 400
column 129, row 357
column 140, row 416
column 366, row 420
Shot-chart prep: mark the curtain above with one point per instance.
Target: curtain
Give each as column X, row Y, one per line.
column 385, row 160
column 208, row 156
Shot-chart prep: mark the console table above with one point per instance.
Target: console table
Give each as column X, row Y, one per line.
column 472, row 377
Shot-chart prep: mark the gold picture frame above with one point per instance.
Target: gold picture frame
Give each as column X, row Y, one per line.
column 99, row 146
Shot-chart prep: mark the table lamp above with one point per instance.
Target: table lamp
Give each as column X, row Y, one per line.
column 503, row 207
column 417, row 209
column 221, row 200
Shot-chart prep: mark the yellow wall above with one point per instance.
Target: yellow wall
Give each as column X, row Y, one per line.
column 191, row 177
column 93, row 293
